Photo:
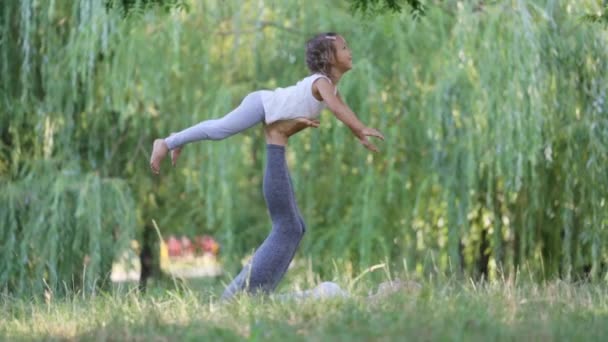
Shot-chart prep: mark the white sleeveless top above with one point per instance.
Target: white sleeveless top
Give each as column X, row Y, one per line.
column 293, row 102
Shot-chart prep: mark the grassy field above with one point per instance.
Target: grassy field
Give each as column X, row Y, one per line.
column 434, row 309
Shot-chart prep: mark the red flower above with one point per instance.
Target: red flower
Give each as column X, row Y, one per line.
column 174, row 247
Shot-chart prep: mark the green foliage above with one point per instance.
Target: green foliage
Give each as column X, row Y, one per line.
column 128, row 6
column 601, row 17
column 61, row 229
column 63, row 215
column 495, row 122
column 366, row 6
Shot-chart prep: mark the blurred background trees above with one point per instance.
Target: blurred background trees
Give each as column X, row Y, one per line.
column 495, row 118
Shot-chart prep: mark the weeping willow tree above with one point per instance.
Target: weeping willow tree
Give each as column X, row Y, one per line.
column 495, row 120
column 65, row 213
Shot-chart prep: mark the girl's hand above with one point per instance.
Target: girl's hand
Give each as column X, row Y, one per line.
column 369, row 132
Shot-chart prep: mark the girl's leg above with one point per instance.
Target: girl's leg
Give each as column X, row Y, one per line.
column 247, row 114
column 270, row 261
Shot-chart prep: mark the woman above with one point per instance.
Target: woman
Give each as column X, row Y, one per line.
column 270, row 261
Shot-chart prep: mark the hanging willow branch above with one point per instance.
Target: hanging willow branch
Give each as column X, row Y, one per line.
column 417, row 7
column 601, row 17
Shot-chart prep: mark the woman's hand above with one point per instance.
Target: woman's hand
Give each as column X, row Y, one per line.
column 279, row 132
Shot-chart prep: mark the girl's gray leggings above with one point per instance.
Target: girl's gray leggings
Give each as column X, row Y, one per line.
column 249, row 113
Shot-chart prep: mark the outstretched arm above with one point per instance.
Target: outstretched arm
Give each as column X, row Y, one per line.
column 345, row 114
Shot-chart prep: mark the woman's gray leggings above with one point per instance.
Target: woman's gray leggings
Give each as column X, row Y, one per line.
column 249, row 113
column 270, row 261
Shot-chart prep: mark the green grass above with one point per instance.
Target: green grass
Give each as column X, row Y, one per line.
column 440, row 310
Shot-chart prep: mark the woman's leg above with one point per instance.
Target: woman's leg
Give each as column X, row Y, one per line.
column 297, row 209
column 272, row 258
column 247, row 114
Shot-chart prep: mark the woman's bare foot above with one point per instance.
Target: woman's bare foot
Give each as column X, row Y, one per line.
column 279, row 132
column 159, row 152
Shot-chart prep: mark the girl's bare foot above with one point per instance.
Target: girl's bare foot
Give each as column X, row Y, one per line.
column 159, row 152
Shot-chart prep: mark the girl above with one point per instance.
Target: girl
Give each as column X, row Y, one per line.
column 328, row 58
